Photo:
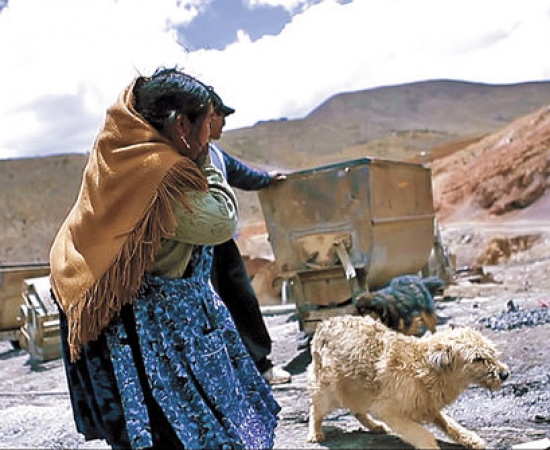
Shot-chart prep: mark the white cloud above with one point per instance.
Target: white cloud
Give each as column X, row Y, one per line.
column 335, row 47
column 290, row 5
column 90, row 49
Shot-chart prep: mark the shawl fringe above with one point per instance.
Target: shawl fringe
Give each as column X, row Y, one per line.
column 120, row 283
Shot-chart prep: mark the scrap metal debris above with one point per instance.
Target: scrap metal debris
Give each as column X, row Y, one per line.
column 474, row 274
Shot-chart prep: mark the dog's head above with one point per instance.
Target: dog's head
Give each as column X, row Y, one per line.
column 470, row 356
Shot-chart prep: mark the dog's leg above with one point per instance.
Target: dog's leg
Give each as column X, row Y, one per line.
column 322, row 402
column 375, row 426
column 410, row 431
column 457, row 432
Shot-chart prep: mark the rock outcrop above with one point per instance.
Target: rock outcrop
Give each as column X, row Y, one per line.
column 501, row 173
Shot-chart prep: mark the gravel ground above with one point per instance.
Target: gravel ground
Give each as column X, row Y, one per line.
column 35, row 409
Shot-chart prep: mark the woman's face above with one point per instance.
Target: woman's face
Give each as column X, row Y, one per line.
column 198, row 136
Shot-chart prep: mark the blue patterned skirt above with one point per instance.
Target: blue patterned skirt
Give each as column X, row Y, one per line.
column 172, row 372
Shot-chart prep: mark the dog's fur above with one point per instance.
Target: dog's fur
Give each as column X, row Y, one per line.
column 405, row 304
column 393, row 383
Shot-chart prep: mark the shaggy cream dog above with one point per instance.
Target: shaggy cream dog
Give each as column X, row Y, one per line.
column 393, row 383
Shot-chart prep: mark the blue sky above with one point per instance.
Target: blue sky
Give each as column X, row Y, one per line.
column 65, row 61
column 227, row 17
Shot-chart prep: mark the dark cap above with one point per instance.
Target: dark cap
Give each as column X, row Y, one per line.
column 218, row 104
column 227, row 110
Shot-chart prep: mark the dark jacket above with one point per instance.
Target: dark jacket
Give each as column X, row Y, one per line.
column 238, row 174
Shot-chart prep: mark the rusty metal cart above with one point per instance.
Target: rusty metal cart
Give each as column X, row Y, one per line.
column 40, row 331
column 29, row 317
column 346, row 228
column 11, row 279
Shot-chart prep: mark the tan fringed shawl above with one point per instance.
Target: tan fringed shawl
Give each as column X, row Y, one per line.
column 110, row 237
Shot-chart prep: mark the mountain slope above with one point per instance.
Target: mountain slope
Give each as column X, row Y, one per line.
column 396, row 122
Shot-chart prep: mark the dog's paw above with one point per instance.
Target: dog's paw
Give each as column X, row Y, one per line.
column 473, row 441
column 316, row 437
column 478, row 444
column 380, row 429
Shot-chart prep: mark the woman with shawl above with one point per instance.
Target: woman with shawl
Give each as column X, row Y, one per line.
column 152, row 355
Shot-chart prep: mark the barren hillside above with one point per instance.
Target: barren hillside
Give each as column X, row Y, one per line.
column 35, row 196
column 506, row 175
column 395, row 122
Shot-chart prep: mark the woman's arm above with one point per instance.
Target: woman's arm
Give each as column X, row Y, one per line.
column 215, row 214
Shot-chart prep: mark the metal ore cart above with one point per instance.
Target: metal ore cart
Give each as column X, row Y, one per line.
column 11, row 279
column 40, row 331
column 347, row 228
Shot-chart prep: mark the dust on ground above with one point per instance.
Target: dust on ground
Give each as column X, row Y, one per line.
column 35, row 408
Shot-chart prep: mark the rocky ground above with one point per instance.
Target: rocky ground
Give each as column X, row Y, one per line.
column 34, row 403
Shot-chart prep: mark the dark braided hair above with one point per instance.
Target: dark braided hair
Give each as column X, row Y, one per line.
column 170, row 91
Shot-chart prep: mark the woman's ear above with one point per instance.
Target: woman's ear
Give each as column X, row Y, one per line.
column 179, row 132
column 182, row 125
